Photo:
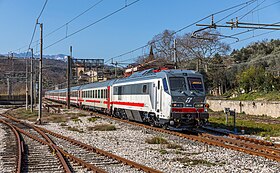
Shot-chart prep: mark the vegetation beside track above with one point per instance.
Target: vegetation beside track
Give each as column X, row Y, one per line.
column 66, row 115
column 254, row 125
column 271, row 96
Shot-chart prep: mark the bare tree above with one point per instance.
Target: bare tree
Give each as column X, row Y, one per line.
column 204, row 45
column 163, row 45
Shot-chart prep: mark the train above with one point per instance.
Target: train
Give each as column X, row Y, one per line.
column 171, row 99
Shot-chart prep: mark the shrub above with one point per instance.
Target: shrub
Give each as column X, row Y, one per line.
column 92, row 119
column 75, row 129
column 156, row 140
column 103, row 127
column 174, row 146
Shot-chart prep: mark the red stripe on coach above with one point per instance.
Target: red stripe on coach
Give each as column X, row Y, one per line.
column 129, row 104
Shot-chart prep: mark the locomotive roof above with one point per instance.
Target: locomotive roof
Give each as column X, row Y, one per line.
column 150, row 74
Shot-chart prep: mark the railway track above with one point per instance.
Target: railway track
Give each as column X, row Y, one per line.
column 73, row 155
column 11, row 154
column 239, row 143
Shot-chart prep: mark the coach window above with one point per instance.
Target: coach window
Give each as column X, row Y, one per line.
column 98, row 94
column 106, row 93
column 119, row 90
column 158, row 86
column 144, row 89
column 101, row 93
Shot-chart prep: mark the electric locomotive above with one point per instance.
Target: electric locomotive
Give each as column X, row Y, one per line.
column 173, row 99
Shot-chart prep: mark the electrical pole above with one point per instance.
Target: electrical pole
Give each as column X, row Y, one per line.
column 175, row 54
column 40, row 76
column 197, row 65
column 31, row 80
column 8, row 87
column 68, row 80
column 71, row 56
column 26, row 84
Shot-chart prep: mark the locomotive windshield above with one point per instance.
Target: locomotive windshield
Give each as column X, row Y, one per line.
column 177, row 83
column 195, row 84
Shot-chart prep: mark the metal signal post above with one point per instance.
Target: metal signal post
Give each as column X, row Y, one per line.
column 31, row 81
column 40, row 76
column 68, row 81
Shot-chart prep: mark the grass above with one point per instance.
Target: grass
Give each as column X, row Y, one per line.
column 102, row 127
column 56, row 118
column 163, row 151
column 63, row 124
column 75, row 129
column 174, row 146
column 156, row 140
column 92, row 119
column 75, row 119
column 22, row 113
column 271, row 96
column 192, row 162
column 256, row 125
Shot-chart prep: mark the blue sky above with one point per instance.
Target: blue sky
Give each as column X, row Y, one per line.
column 122, row 32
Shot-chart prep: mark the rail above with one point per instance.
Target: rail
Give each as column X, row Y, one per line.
column 19, row 144
column 84, row 146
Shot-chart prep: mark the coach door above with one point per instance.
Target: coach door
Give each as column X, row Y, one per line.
column 159, row 97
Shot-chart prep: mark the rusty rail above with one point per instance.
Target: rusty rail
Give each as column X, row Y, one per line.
column 57, row 149
column 102, row 152
column 86, row 147
column 243, row 138
column 19, row 142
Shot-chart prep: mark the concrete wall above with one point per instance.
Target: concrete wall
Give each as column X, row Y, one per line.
column 269, row 108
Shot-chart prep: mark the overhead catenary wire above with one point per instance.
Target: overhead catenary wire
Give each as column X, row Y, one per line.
column 74, row 18
column 251, row 10
column 230, row 36
column 183, row 28
column 65, row 24
column 34, row 30
column 99, row 20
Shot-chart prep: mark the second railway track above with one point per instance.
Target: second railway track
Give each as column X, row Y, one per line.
column 74, row 156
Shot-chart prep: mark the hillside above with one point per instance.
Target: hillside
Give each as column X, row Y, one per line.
column 54, row 72
column 254, row 72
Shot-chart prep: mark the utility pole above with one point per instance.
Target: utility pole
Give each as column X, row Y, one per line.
column 116, row 64
column 31, row 80
column 40, row 76
column 8, row 87
column 26, row 84
column 197, row 65
column 68, row 80
column 175, row 53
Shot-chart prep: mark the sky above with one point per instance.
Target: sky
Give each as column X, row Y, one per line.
column 125, row 30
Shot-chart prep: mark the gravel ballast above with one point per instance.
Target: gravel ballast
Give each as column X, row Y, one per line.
column 129, row 141
column 2, row 136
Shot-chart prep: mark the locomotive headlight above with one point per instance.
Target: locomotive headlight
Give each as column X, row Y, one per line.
column 171, row 123
column 177, row 105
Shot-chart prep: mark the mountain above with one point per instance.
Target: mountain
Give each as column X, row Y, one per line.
column 24, row 55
